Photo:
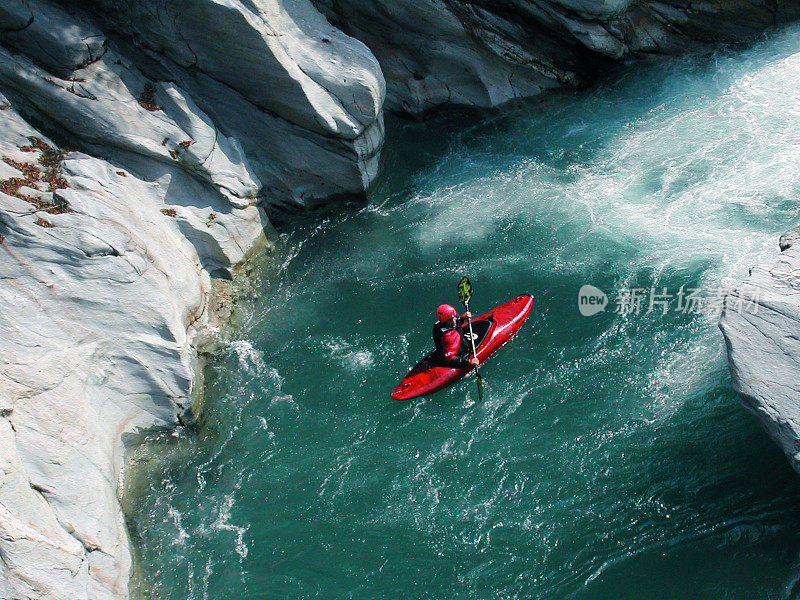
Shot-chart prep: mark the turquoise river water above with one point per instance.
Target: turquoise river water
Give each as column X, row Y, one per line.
column 610, row 457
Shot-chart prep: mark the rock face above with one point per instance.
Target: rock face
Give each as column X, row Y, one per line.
column 186, row 142
column 289, row 114
column 760, row 322
column 104, row 278
column 482, row 53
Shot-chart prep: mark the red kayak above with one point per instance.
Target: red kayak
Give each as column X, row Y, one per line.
column 491, row 330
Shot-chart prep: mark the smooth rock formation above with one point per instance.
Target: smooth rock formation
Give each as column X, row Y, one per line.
column 484, row 54
column 267, row 101
column 104, row 279
column 761, row 325
column 188, row 123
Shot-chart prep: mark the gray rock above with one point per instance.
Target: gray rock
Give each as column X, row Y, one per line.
column 290, row 115
column 50, row 36
column 761, row 326
column 287, row 58
column 303, row 99
column 789, row 239
column 99, row 304
column 484, row 54
column 103, row 109
column 299, row 169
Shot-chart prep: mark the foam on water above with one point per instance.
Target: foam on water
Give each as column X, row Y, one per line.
column 700, row 179
column 609, row 459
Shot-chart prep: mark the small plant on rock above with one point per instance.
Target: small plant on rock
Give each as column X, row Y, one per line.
column 147, row 98
column 32, row 175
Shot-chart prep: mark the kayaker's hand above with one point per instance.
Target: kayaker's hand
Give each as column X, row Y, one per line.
column 473, row 361
column 468, row 314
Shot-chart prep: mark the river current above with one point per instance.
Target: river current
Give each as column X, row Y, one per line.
column 610, row 458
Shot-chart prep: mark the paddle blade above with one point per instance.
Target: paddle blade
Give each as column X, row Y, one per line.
column 465, row 291
column 480, row 386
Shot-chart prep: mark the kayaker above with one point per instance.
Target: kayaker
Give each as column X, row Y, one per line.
column 452, row 346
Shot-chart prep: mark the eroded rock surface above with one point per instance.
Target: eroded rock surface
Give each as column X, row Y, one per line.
column 104, row 278
column 761, row 325
column 483, row 54
column 267, row 101
column 187, row 122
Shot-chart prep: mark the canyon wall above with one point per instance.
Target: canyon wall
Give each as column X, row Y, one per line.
column 761, row 325
column 483, row 54
column 145, row 149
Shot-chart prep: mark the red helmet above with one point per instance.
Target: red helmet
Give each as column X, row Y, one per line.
column 445, row 312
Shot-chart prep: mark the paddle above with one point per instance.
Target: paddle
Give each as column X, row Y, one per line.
column 465, row 295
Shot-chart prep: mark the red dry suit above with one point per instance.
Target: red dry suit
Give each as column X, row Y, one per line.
column 452, row 346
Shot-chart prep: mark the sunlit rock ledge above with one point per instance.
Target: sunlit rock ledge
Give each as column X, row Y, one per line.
column 104, row 286
column 266, row 102
column 761, row 326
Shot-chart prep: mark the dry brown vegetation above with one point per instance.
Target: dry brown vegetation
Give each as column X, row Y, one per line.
column 147, row 98
column 47, row 171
